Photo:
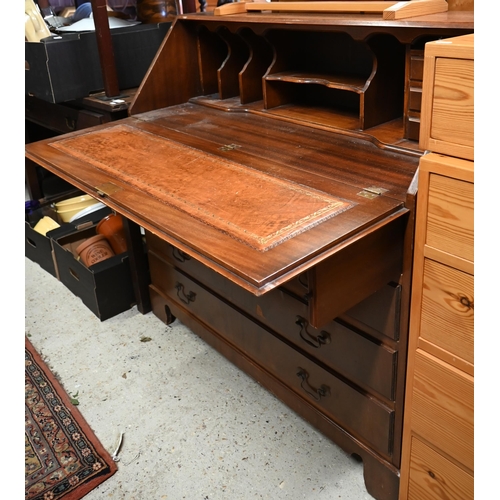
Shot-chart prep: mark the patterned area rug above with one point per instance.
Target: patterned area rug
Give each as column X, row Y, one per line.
column 63, row 457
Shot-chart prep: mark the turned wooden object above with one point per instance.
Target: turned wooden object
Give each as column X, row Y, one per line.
column 105, row 47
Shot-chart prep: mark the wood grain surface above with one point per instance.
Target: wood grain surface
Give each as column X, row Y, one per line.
column 217, row 192
column 337, row 167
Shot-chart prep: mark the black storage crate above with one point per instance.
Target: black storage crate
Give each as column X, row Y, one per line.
column 66, row 68
column 106, row 287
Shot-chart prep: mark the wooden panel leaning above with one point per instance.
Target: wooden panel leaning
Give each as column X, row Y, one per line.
column 388, row 9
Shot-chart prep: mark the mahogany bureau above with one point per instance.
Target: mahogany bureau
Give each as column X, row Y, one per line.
column 267, row 158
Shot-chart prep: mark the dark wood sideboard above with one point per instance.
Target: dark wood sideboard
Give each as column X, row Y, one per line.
column 271, row 160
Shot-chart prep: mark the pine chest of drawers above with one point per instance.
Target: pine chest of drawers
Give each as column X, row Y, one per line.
column 438, row 436
column 438, row 452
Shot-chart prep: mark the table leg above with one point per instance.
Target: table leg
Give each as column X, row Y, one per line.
column 138, row 265
column 32, row 181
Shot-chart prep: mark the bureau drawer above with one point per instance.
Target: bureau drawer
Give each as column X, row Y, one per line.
column 443, row 407
column 298, row 286
column 361, row 415
column 434, row 477
column 416, row 61
column 415, row 98
column 447, row 318
column 379, row 312
column 450, row 218
column 412, row 128
column 355, row 270
column 363, row 361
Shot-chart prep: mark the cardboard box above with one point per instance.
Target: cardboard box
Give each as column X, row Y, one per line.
column 38, row 247
column 68, row 68
column 106, row 287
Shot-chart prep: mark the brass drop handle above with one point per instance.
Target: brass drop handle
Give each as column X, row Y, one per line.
column 315, row 341
column 318, row 393
column 180, row 255
column 186, row 298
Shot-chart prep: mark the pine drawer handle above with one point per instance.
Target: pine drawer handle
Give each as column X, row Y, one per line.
column 186, row 298
column 317, row 394
column 314, row 341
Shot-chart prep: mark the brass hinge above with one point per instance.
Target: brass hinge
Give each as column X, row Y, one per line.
column 229, row 147
column 107, row 189
column 372, row 192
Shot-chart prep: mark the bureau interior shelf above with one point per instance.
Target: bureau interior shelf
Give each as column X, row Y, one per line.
column 338, row 81
column 319, row 114
column 335, row 72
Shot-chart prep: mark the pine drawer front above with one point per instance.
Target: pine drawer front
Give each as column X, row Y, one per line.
column 433, row 477
column 447, row 124
column 365, row 362
column 450, row 220
column 443, row 408
column 361, row 415
column 453, row 104
column 448, row 309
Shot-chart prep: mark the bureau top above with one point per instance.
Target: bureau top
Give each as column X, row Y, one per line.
column 463, row 20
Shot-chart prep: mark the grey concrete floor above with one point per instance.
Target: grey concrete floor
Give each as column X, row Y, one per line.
column 194, row 426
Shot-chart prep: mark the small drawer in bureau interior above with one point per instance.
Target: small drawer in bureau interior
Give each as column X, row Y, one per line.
column 412, row 126
column 447, row 318
column 450, row 216
column 415, row 74
column 415, row 99
column 443, row 407
column 434, row 477
column 416, row 61
column 359, row 414
column 341, row 348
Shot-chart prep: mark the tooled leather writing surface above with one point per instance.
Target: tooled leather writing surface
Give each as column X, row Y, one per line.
column 220, row 193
